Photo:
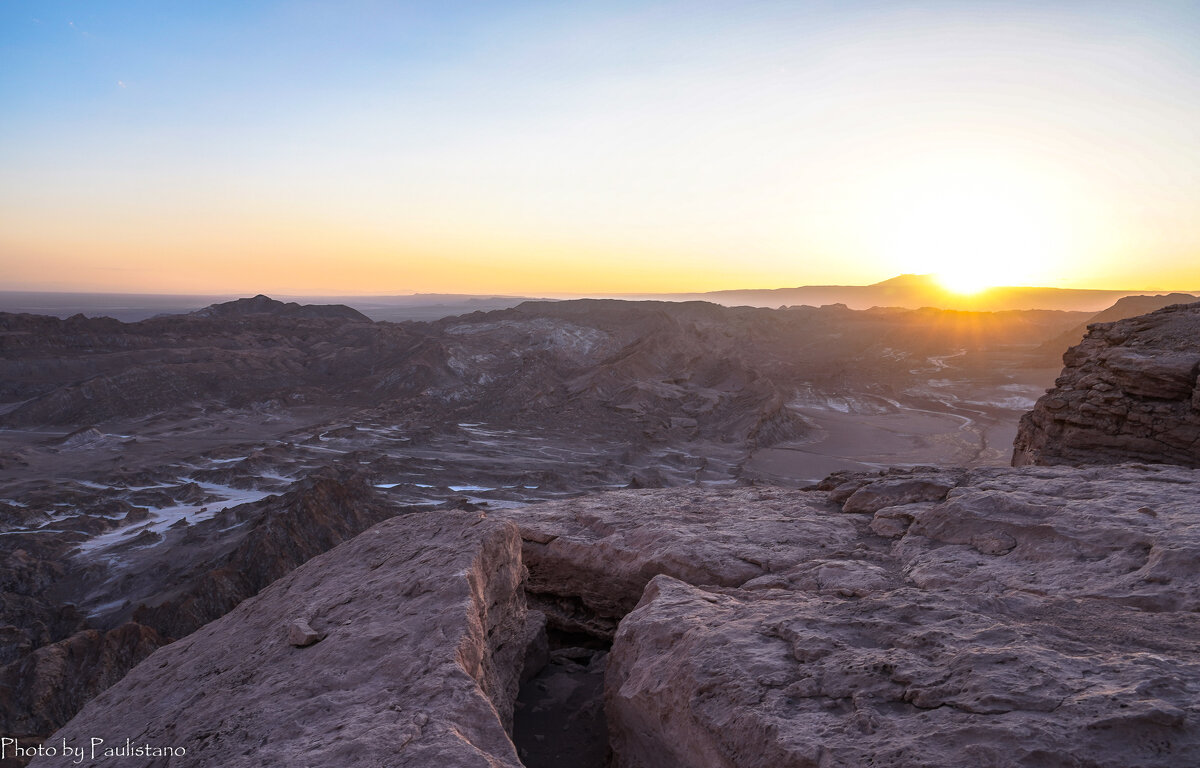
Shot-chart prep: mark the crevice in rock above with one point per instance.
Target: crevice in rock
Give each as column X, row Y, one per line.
column 570, row 614
column 559, row 715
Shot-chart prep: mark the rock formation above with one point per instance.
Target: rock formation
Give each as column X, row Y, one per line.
column 1128, row 393
column 419, row 664
column 590, row 559
column 1033, row 617
column 53, row 659
column 1042, row 616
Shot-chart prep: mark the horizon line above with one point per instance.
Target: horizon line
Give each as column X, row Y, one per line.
column 582, row 294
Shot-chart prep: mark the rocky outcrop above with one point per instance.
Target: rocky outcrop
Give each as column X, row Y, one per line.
column 45, row 689
column 53, row 659
column 1128, row 306
column 894, row 678
column 422, row 618
column 87, row 371
column 30, row 618
column 1039, row 617
column 1127, row 393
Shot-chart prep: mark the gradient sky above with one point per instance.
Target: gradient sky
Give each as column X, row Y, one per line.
column 548, row 148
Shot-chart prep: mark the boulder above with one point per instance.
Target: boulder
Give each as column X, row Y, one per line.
column 301, row 635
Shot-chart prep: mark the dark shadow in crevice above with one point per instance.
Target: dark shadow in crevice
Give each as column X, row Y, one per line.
column 559, row 717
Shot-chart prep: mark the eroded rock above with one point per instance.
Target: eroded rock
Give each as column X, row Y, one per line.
column 590, row 558
column 1034, row 617
column 423, row 617
column 890, row 491
column 900, row 677
column 42, row 690
column 1128, row 393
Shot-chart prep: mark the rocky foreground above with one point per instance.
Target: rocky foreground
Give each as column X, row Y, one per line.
column 1041, row 616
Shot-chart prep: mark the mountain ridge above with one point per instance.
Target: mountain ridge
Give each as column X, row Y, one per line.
column 907, row 290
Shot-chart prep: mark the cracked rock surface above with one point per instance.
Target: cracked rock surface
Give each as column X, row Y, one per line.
column 1032, row 617
column 590, row 558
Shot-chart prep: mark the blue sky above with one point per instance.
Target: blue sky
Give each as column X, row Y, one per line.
column 560, row 146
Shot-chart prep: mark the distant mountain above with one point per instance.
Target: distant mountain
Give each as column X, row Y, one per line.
column 904, row 291
column 265, row 305
column 914, row 292
column 426, row 306
column 130, row 308
column 126, row 307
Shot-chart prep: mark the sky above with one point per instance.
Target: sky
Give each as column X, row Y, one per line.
column 556, row 148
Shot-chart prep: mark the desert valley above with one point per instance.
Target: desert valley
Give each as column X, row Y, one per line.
column 824, row 471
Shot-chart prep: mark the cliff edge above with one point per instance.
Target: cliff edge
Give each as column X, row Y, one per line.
column 1127, row 393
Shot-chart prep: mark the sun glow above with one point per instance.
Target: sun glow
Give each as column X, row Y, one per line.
column 964, row 282
column 975, row 226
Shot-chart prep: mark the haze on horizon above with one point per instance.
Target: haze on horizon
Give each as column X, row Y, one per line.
column 553, row 148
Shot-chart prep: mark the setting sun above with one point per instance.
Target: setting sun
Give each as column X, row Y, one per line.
column 595, row 148
column 965, row 282
column 976, row 223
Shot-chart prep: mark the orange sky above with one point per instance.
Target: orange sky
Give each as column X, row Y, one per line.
column 638, row 148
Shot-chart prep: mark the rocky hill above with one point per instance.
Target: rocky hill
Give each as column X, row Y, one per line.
column 654, row 391
column 633, row 365
column 265, row 305
column 1127, row 393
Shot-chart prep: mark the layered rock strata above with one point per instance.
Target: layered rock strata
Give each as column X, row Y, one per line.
column 1127, row 393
